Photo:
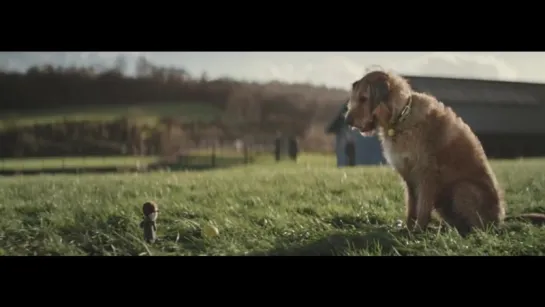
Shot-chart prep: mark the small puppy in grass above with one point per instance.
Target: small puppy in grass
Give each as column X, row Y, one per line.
column 439, row 158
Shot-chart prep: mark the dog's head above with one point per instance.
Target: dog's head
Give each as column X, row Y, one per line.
column 369, row 104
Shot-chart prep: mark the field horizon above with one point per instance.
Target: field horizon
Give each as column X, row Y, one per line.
column 306, row 208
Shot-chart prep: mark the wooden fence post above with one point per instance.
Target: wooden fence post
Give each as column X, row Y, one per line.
column 213, row 155
column 245, row 151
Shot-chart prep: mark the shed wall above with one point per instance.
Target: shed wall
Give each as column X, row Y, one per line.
column 503, row 118
column 368, row 151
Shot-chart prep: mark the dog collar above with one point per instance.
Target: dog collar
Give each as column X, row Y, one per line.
column 402, row 116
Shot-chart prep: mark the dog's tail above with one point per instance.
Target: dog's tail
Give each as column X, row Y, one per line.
column 533, row 218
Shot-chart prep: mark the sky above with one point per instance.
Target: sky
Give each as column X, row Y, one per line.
column 333, row 69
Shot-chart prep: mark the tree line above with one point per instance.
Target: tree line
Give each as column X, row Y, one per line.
column 262, row 108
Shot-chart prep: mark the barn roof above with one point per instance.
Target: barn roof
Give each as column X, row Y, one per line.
column 471, row 91
column 456, row 90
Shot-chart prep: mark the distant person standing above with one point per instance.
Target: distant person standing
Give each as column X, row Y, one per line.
column 350, row 150
column 293, row 148
column 277, row 146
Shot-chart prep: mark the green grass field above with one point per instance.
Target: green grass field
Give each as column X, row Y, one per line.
column 73, row 162
column 308, row 208
column 197, row 157
column 145, row 113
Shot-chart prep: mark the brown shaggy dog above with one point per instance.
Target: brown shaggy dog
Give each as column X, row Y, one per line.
column 437, row 155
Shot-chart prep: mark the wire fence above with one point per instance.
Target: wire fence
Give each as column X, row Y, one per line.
column 194, row 158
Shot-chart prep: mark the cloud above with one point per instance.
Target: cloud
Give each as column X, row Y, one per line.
column 471, row 65
column 331, row 70
column 337, row 69
column 340, row 70
column 23, row 60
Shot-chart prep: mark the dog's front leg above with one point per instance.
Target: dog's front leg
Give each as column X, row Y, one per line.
column 426, row 196
column 410, row 204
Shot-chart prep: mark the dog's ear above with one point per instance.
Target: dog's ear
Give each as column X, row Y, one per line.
column 379, row 89
column 382, row 113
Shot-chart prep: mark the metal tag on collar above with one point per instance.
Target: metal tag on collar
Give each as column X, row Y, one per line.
column 405, row 111
column 391, row 132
